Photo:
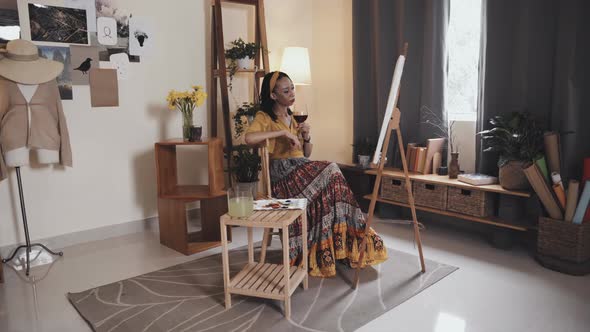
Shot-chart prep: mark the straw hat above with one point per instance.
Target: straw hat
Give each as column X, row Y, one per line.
column 22, row 64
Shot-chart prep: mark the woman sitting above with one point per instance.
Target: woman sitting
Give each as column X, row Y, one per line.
column 336, row 224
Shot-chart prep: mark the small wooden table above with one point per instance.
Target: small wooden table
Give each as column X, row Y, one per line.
column 271, row 281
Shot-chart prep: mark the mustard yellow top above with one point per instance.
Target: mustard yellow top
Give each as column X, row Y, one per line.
column 278, row 148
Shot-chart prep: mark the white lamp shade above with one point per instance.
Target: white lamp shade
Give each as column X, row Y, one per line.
column 296, row 64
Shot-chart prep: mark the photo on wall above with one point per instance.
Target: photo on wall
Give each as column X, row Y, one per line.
column 58, row 24
column 83, row 60
column 142, row 38
column 9, row 23
column 116, row 10
column 60, row 54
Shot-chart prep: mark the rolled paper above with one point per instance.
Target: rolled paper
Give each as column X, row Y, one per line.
column 542, row 164
column 573, row 190
column 560, row 194
column 436, row 161
column 552, row 151
column 586, row 177
column 556, row 178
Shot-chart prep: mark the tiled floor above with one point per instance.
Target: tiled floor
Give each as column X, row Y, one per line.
column 493, row 290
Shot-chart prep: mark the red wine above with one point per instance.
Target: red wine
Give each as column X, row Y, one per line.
column 300, row 118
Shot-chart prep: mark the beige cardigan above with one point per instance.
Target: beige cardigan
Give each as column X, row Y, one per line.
column 48, row 129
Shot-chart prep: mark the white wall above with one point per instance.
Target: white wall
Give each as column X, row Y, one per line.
column 113, row 179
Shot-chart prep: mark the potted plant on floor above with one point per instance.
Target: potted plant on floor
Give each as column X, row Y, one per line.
column 246, row 166
column 518, row 140
column 241, row 56
column 364, row 148
column 247, row 111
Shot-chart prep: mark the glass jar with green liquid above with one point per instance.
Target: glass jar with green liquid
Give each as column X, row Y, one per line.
column 240, row 202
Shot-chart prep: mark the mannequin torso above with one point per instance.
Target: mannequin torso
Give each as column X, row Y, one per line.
column 21, row 156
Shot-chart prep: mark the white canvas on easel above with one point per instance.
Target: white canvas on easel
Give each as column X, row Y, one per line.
column 390, row 122
column 391, row 103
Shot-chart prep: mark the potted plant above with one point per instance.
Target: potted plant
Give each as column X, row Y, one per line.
column 364, row 148
column 241, row 56
column 519, row 140
column 246, row 165
column 247, row 110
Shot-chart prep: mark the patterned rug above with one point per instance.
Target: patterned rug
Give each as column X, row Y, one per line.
column 189, row 297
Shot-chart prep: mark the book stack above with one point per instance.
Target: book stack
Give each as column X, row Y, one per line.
column 477, row 179
column 423, row 159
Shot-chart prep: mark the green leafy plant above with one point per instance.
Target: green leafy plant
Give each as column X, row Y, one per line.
column 246, row 164
column 517, row 137
column 248, row 110
column 239, row 49
column 365, row 146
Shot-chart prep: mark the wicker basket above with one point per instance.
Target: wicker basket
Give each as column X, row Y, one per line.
column 564, row 240
column 472, row 202
column 430, row 195
column 394, row 189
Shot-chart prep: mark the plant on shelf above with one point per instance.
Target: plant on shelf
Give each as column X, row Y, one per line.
column 239, row 55
column 364, row 148
column 247, row 110
column 518, row 140
column 186, row 102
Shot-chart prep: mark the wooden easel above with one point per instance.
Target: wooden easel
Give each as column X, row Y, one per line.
column 219, row 71
column 393, row 125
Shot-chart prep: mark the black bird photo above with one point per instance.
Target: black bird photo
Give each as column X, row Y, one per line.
column 84, row 66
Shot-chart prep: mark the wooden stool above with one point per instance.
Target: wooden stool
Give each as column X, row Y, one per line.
column 270, row 281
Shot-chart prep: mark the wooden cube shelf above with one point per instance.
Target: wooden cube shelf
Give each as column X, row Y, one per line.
column 173, row 198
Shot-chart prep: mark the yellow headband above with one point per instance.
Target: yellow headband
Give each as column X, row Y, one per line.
column 273, row 80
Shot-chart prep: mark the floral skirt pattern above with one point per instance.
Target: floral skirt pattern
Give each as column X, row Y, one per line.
column 336, row 224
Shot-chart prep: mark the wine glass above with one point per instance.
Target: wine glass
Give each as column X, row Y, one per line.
column 300, row 115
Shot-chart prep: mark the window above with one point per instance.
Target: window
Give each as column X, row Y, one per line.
column 463, row 45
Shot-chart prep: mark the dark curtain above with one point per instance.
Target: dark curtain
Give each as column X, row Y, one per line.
column 380, row 29
column 535, row 57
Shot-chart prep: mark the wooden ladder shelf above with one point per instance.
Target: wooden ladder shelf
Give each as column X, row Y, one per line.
column 219, row 71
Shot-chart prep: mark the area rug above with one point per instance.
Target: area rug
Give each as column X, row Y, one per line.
column 189, row 297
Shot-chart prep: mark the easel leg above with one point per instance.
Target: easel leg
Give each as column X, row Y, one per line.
column 411, row 199
column 28, row 245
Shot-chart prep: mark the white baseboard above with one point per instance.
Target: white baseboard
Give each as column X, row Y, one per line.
column 97, row 234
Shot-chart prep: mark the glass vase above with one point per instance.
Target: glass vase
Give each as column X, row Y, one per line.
column 187, row 124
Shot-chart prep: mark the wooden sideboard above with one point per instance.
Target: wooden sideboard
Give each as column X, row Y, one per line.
column 520, row 225
column 173, row 198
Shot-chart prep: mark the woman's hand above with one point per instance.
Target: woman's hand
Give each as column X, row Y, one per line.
column 294, row 140
column 304, row 129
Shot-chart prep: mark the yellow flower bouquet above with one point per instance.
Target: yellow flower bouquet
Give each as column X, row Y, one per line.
column 185, row 102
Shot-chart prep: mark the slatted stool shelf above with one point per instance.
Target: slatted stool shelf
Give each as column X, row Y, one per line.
column 265, row 280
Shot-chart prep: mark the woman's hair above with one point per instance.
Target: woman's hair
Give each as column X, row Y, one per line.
column 266, row 102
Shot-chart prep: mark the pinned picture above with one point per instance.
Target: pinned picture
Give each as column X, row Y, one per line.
column 83, row 59
column 57, row 24
column 9, row 23
column 120, row 62
column 141, row 39
column 104, row 89
column 89, row 6
column 107, row 31
column 60, row 54
column 114, row 9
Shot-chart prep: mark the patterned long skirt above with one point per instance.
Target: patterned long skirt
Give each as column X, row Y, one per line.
column 336, row 224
